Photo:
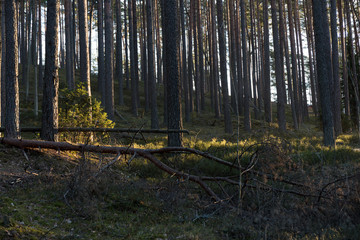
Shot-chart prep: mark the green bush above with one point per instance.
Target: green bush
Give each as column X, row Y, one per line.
column 77, row 109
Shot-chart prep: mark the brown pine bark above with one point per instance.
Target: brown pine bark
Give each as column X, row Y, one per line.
column 281, row 97
column 336, row 91
column 323, row 56
column 109, row 46
column 223, row 70
column 84, row 45
column 247, row 116
column 171, row 67
column 51, row 80
column 267, row 90
column 101, row 60
column 70, row 78
column 344, row 61
column 119, row 60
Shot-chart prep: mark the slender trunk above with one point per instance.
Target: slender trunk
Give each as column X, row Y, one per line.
column 289, row 78
column 69, row 53
column 201, row 57
column 281, row 98
column 51, row 80
column 336, row 91
column 101, row 59
column 126, row 48
column 344, row 61
column 215, row 61
column 3, row 66
column 119, row 61
column 190, row 58
column 109, row 44
column 133, row 68
column 222, row 51
column 309, row 33
column 184, row 66
column 293, row 61
column 151, row 67
column 247, row 116
column 171, row 68
column 322, row 42
column 267, row 89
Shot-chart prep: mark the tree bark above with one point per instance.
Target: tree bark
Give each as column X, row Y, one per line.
column 323, row 56
column 201, row 57
column 101, row 59
column 281, row 97
column 51, row 79
column 84, row 45
column 11, row 79
column 133, row 52
column 247, row 116
column 119, row 60
column 171, row 67
column 69, row 48
column 344, row 61
column 109, row 45
column 223, row 70
column 294, row 61
column 336, row 91
column 151, row 67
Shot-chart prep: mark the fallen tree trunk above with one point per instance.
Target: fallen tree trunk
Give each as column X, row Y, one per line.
column 104, row 130
column 148, row 154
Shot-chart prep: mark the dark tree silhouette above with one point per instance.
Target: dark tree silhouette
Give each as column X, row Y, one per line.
column 51, row 80
column 172, row 71
column 324, row 71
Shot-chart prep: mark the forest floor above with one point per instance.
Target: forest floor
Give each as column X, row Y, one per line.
column 292, row 186
column 47, row 194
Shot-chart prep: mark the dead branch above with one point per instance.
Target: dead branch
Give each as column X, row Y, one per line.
column 150, row 155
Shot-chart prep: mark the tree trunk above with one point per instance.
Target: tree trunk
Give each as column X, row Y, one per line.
column 127, row 75
column 222, row 52
column 309, row 33
column 247, row 116
column 3, row 66
column 1, row 47
column 101, row 59
column 69, row 49
column 133, row 68
column 171, row 67
column 51, row 80
column 281, row 97
column 119, row 60
column 109, row 45
column 84, row 46
column 201, row 57
column 294, row 61
column 323, row 56
column 11, row 79
column 344, row 61
column 184, row 65
column 190, row 57
column 267, row 89
column 289, row 78
column 151, row 67
column 336, row 91
column 215, row 65
column 353, row 73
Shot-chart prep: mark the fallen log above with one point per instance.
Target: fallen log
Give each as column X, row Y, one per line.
column 104, row 130
column 149, row 154
column 64, row 146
